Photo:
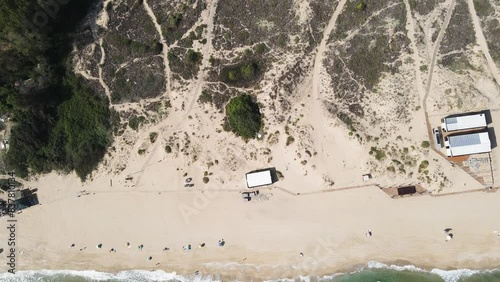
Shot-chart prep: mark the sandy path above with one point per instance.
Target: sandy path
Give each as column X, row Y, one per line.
column 101, row 63
column 482, row 42
column 206, row 56
column 165, row 48
column 416, row 58
column 436, row 50
column 317, row 108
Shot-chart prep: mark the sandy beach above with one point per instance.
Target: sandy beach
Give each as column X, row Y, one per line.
column 263, row 238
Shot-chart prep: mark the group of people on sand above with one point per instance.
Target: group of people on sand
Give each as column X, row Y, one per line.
column 221, row 243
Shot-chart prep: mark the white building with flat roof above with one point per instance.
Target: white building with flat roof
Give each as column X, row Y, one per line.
column 464, row 122
column 259, row 178
column 468, row 144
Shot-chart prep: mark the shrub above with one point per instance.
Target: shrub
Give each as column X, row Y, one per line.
column 361, row 6
column 174, row 20
column 168, row 149
column 205, row 97
column 289, row 140
column 242, row 73
column 379, row 153
column 135, row 121
column 260, row 48
column 193, row 57
column 425, row 144
column 205, row 180
column 243, row 116
column 280, row 174
column 153, row 136
column 423, row 165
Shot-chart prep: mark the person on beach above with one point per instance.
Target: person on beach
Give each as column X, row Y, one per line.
column 128, row 244
column 221, row 242
column 301, row 254
column 150, row 258
column 99, row 246
column 72, row 245
column 140, row 247
column 112, row 250
column 166, row 249
column 83, row 249
column 369, row 233
column 201, row 245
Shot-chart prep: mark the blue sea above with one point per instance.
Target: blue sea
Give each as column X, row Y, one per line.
column 373, row 272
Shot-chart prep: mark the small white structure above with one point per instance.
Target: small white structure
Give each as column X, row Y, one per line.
column 4, row 144
column 367, row 177
column 464, row 122
column 259, row 178
column 468, row 144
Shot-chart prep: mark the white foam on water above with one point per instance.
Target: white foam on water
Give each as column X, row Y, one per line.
column 92, row 275
column 447, row 275
column 160, row 275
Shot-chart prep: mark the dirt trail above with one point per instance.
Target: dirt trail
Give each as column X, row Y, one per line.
column 101, row 63
column 415, row 56
column 482, row 42
column 436, row 50
column 206, row 56
column 165, row 48
column 181, row 117
column 316, row 110
column 103, row 21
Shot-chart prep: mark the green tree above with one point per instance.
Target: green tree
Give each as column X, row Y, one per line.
column 243, row 116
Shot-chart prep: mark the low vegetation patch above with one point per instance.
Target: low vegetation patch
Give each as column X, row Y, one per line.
column 241, row 74
column 379, row 154
column 185, row 64
column 135, row 121
column 153, row 136
column 423, row 166
column 425, row 144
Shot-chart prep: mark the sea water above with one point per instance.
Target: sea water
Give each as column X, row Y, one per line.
column 373, row 272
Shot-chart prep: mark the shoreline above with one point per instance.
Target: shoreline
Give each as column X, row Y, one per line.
column 398, row 265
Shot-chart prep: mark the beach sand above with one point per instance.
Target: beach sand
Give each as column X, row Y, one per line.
column 263, row 238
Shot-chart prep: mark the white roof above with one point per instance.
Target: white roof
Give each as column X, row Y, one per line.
column 465, row 122
column 255, row 179
column 468, row 144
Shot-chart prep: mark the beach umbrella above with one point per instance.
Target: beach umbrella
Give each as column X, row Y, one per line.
column 99, row 246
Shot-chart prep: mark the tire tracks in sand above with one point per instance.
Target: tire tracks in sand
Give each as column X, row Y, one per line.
column 181, row 117
column 483, row 44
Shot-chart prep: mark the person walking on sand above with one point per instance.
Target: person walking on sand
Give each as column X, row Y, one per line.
column 166, row 249
column 72, row 245
column 140, row 247
column 128, row 244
